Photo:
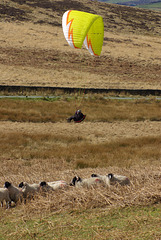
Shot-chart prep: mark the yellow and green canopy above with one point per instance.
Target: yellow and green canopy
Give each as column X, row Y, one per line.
column 81, row 27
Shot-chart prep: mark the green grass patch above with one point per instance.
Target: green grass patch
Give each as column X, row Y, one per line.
column 153, row 6
column 122, row 223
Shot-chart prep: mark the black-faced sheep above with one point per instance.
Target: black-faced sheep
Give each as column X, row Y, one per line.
column 4, row 196
column 122, row 180
column 14, row 193
column 111, row 179
column 104, row 178
column 28, row 190
column 47, row 186
column 86, row 182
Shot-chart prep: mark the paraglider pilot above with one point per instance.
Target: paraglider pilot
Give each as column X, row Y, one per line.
column 78, row 117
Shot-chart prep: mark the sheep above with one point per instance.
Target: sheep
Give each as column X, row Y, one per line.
column 122, row 180
column 28, row 190
column 86, row 182
column 111, row 178
column 104, row 178
column 53, row 185
column 14, row 193
column 4, row 195
column 45, row 186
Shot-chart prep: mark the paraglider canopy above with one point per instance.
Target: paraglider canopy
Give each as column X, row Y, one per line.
column 82, row 27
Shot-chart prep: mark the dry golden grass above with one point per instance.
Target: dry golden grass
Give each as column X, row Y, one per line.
column 34, row 150
column 78, row 152
column 96, row 107
column 144, row 190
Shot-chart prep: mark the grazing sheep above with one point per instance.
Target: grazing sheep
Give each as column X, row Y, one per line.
column 87, row 182
column 104, row 178
column 28, row 190
column 4, row 195
column 14, row 193
column 113, row 178
column 47, row 186
column 122, row 180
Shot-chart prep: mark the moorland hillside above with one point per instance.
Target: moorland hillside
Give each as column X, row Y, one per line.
column 34, row 52
column 146, row 4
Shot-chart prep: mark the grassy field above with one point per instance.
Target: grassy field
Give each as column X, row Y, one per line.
column 154, row 6
column 128, row 223
column 123, row 137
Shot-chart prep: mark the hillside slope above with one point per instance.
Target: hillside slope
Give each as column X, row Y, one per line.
column 33, row 50
column 51, row 11
column 150, row 4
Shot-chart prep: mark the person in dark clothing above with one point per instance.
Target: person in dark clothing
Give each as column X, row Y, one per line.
column 78, row 117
